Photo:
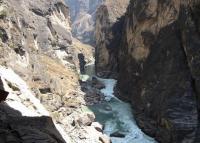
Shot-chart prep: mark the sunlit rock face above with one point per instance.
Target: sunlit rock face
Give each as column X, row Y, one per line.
column 37, row 45
column 158, row 67
column 33, row 28
column 22, row 111
column 83, row 18
column 31, row 35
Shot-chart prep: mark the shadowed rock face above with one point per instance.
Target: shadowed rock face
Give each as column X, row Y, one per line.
column 108, row 33
column 18, row 129
column 3, row 93
column 158, row 62
column 156, row 73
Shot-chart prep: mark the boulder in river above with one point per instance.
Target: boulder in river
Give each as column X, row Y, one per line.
column 97, row 84
column 108, row 108
column 117, row 134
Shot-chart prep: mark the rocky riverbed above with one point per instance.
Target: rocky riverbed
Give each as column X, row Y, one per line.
column 114, row 115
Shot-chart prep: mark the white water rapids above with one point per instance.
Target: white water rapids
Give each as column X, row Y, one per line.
column 116, row 115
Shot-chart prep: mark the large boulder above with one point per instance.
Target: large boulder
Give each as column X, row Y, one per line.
column 17, row 129
column 86, row 119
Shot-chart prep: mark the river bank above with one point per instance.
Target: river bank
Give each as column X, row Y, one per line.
column 114, row 114
column 117, row 118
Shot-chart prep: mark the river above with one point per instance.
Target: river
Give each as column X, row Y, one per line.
column 116, row 115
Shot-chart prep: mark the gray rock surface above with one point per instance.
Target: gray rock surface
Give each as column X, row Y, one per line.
column 108, row 32
column 83, row 14
column 36, row 43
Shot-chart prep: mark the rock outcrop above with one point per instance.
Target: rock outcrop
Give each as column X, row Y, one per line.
column 21, row 118
column 108, row 32
column 39, row 61
column 39, row 47
column 18, row 129
column 83, row 18
column 158, row 64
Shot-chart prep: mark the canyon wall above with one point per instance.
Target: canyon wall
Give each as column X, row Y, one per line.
column 83, row 18
column 158, row 66
column 36, row 42
column 31, row 34
column 108, row 33
column 39, row 62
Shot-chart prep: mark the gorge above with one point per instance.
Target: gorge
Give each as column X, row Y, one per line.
column 99, row 71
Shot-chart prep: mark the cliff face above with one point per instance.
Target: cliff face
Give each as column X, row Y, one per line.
column 30, row 31
column 158, row 62
column 36, row 42
column 83, row 18
column 108, row 32
column 159, row 67
column 37, row 45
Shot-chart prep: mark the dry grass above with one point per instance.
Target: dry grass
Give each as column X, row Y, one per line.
column 60, row 79
column 56, row 68
column 86, row 49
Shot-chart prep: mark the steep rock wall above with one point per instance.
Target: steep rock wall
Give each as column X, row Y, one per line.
column 157, row 64
column 158, row 68
column 37, row 44
column 83, row 18
column 108, row 31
